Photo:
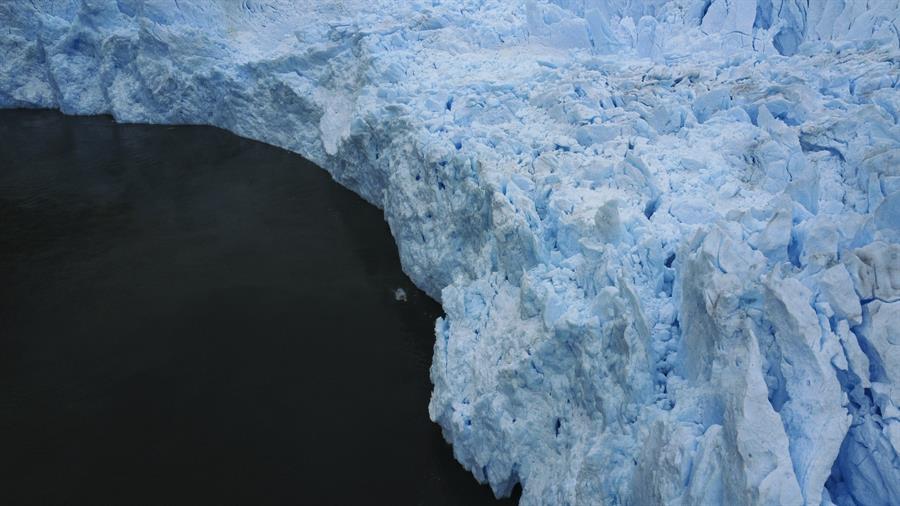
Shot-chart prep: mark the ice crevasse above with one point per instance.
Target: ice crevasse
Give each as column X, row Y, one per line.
column 666, row 233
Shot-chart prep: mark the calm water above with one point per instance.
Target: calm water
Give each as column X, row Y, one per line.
column 189, row 317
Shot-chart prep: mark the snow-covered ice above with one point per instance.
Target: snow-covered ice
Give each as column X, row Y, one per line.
column 666, row 233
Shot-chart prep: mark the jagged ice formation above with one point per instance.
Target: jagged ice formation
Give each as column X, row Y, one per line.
column 666, row 233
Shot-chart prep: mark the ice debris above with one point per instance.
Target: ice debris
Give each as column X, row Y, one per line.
column 666, row 233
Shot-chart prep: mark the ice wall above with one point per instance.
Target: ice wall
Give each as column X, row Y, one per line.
column 666, row 234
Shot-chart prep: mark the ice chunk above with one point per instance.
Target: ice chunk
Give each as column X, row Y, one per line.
column 883, row 340
column 876, row 271
column 837, row 287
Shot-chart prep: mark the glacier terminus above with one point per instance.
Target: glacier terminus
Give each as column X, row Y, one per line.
column 665, row 233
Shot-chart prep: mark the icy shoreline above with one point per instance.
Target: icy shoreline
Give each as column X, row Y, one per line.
column 665, row 234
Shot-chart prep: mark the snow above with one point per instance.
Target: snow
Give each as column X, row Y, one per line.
column 666, row 234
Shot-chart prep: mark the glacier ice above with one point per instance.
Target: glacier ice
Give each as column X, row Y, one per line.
column 666, row 233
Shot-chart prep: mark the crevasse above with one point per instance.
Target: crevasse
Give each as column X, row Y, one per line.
column 666, row 234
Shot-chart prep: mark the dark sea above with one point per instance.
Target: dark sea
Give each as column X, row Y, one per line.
column 188, row 317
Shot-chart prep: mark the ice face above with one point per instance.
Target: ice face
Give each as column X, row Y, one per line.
column 665, row 233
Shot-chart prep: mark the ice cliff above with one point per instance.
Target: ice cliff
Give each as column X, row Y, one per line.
column 666, row 233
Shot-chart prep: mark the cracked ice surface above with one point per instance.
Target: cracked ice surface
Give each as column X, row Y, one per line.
column 666, row 234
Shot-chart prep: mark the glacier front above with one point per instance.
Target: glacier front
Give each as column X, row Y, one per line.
column 665, row 233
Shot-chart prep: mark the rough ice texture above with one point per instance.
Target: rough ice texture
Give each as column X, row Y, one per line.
column 666, row 234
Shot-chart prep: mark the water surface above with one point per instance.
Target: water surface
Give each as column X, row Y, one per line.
column 188, row 317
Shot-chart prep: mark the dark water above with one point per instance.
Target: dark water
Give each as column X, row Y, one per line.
column 187, row 317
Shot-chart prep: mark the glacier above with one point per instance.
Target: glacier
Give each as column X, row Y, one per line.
column 665, row 233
